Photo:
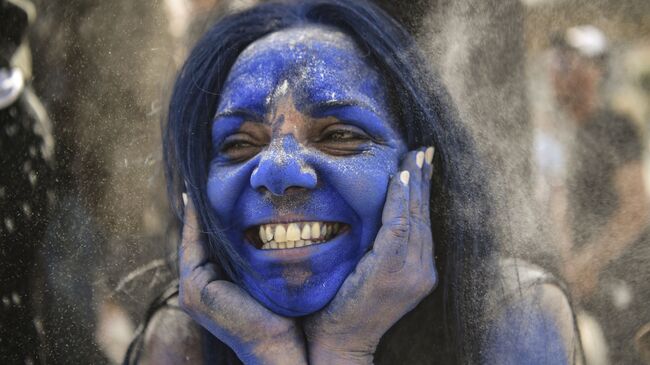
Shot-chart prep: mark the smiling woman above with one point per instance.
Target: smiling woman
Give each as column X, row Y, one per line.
column 304, row 135
column 304, row 145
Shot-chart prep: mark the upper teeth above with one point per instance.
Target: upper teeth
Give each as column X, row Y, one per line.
column 297, row 234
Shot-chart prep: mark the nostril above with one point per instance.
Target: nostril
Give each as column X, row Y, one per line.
column 294, row 190
column 263, row 190
column 282, row 178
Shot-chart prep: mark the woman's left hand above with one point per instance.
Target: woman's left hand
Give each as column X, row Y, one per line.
column 389, row 281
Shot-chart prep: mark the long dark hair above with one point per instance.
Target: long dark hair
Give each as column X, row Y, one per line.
column 462, row 233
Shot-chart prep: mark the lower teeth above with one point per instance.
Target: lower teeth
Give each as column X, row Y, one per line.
column 290, row 244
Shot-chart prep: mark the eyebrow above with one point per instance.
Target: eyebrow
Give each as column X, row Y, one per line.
column 320, row 108
column 342, row 108
column 239, row 112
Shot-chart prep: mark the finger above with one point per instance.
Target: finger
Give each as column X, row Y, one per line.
column 414, row 163
column 427, row 174
column 392, row 239
column 427, row 244
column 227, row 311
column 192, row 252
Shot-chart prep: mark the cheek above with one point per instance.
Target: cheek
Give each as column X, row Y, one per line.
column 362, row 181
column 224, row 187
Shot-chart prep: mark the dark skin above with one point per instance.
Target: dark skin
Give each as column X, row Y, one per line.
column 390, row 280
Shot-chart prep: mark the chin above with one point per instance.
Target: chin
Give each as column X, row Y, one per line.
column 305, row 296
column 300, row 281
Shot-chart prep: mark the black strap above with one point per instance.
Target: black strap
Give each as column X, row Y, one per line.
column 134, row 351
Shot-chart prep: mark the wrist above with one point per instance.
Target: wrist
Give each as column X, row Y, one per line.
column 320, row 354
column 279, row 351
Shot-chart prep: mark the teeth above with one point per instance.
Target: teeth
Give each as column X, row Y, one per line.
column 306, row 232
column 280, row 234
column 269, row 233
column 263, row 235
column 293, row 232
column 315, row 230
column 295, row 235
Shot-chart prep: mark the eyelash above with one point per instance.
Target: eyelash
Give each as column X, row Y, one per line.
column 342, row 135
column 237, row 143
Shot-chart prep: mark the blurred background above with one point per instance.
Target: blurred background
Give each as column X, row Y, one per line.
column 555, row 92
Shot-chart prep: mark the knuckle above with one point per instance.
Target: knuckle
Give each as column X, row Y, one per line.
column 182, row 250
column 189, row 294
column 415, row 207
column 392, row 267
column 184, row 300
column 193, row 279
column 399, row 227
column 208, row 297
column 426, row 284
column 420, row 224
column 434, row 279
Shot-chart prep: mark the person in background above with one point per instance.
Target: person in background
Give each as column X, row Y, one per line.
column 26, row 147
column 606, row 199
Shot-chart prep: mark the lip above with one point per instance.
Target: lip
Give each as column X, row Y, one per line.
column 300, row 254
column 290, row 218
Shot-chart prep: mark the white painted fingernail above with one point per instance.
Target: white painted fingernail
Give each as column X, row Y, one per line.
column 419, row 159
column 429, row 155
column 404, row 177
column 184, row 195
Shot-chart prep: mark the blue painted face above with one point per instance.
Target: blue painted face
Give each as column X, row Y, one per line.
column 304, row 146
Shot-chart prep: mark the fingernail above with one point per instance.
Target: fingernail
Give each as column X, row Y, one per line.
column 404, row 177
column 184, row 195
column 429, row 155
column 419, row 159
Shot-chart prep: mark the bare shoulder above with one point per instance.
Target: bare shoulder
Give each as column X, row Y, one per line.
column 172, row 337
column 525, row 284
column 531, row 319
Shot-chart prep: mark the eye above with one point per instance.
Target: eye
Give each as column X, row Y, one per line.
column 233, row 145
column 342, row 133
column 342, row 136
column 239, row 147
column 342, row 139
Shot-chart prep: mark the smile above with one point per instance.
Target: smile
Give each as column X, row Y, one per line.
column 293, row 235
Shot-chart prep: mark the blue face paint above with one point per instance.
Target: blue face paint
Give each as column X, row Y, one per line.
column 303, row 133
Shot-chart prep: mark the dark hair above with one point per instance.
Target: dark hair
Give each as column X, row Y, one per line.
column 463, row 241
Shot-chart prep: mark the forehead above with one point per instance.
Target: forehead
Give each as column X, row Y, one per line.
column 316, row 64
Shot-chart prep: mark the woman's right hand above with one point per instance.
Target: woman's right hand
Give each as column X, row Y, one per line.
column 257, row 335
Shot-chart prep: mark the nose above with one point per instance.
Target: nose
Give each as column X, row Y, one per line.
column 283, row 167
